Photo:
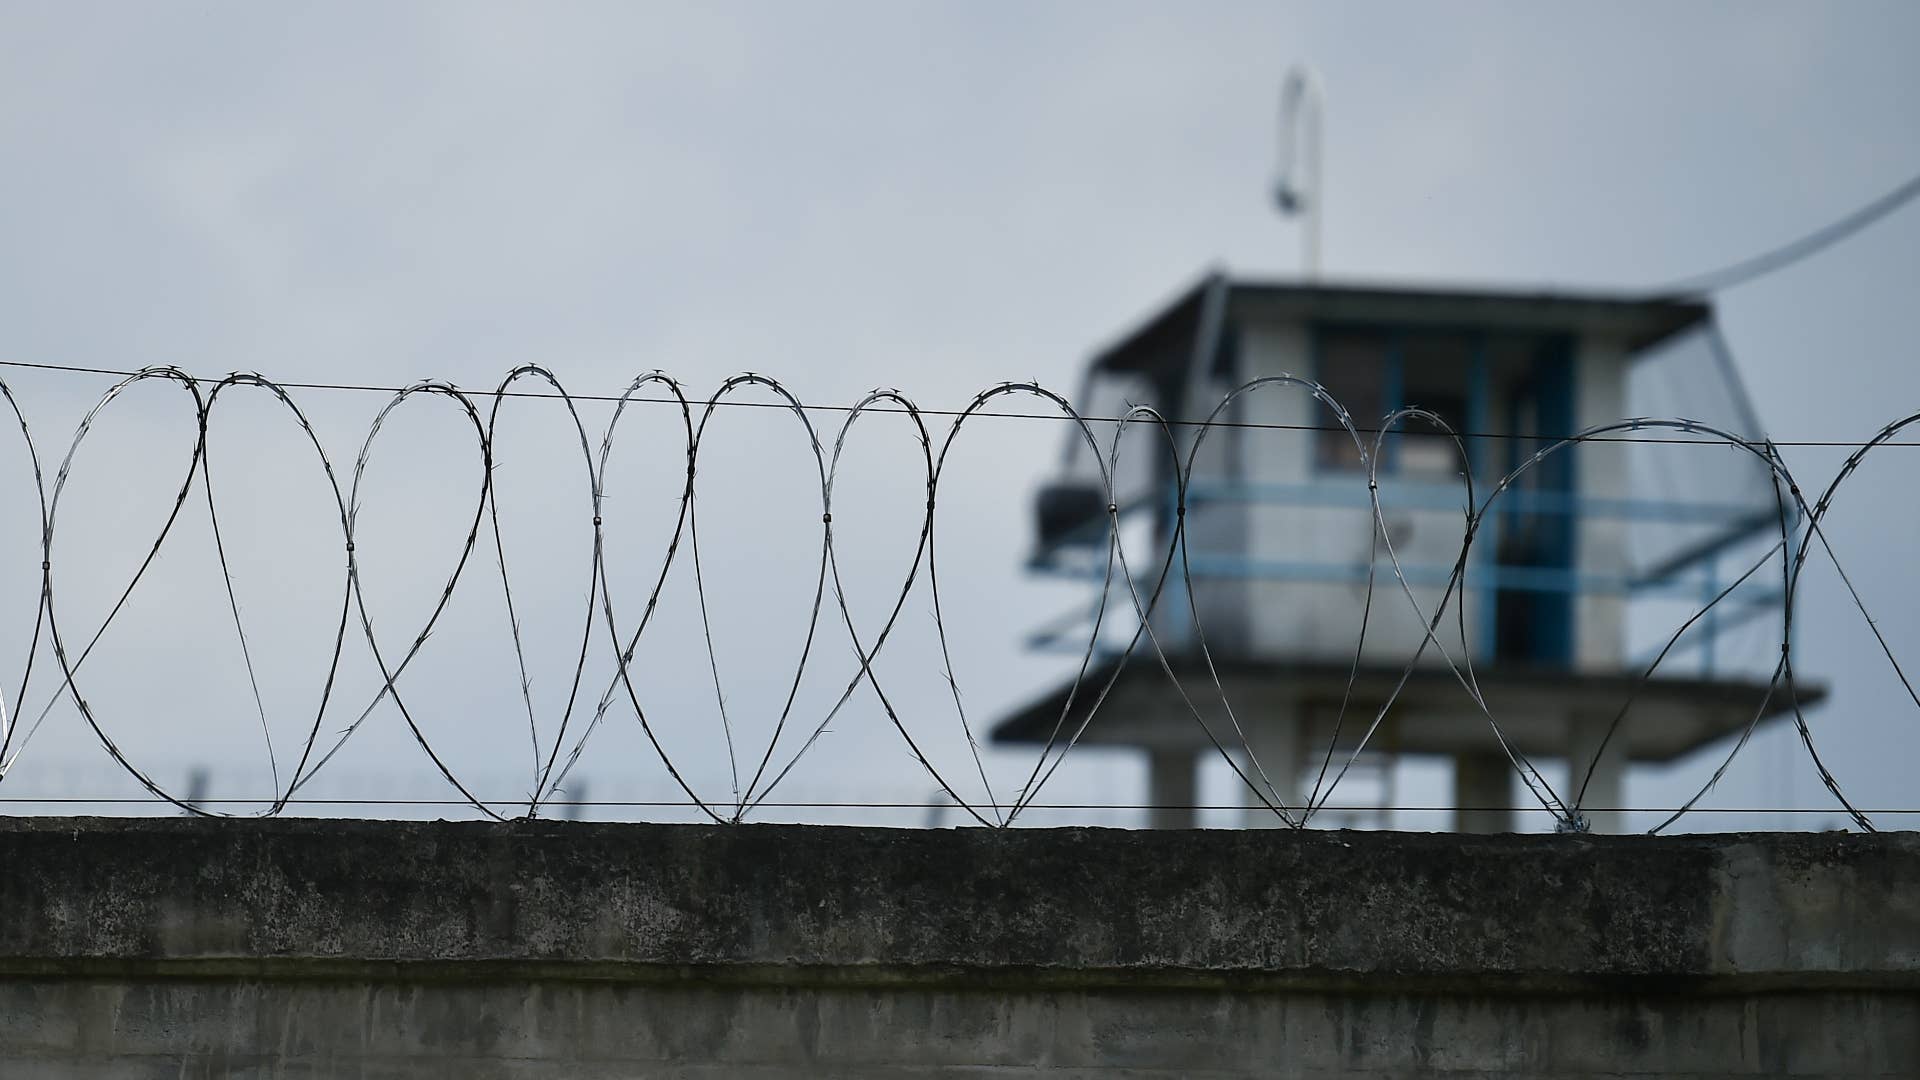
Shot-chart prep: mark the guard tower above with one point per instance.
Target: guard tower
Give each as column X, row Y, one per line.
column 1280, row 535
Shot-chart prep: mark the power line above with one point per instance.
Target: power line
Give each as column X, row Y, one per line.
column 1843, row 444
column 1787, row 254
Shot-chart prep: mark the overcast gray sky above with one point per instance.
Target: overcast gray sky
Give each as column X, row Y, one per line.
column 842, row 195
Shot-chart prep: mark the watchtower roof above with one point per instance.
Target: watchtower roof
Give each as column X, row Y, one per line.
column 1165, row 337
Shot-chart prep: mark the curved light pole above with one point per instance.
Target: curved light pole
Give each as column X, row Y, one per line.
column 1296, row 188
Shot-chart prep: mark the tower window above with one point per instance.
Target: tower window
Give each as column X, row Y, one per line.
column 1374, row 372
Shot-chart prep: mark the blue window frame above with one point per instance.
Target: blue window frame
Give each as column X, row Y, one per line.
column 1476, row 381
column 1373, row 370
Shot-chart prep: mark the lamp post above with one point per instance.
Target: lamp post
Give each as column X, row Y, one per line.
column 1297, row 188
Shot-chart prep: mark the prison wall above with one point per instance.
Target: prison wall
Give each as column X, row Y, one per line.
column 200, row 948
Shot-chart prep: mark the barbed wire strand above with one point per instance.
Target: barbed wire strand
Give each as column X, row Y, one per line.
column 1249, row 425
column 1792, row 512
column 682, row 804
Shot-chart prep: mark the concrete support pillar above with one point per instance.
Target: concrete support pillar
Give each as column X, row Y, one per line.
column 1173, row 788
column 1608, row 787
column 1275, row 741
column 1482, row 793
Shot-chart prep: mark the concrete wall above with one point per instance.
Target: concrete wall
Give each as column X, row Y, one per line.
column 199, row 948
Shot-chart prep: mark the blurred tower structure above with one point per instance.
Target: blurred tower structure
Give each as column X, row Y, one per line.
column 1570, row 568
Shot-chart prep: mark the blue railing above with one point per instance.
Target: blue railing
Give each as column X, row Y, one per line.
column 1692, row 576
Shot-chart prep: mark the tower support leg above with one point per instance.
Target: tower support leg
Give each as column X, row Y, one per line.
column 1172, row 788
column 1482, row 793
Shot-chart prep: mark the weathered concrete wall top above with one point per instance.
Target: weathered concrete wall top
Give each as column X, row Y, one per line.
column 1735, row 913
